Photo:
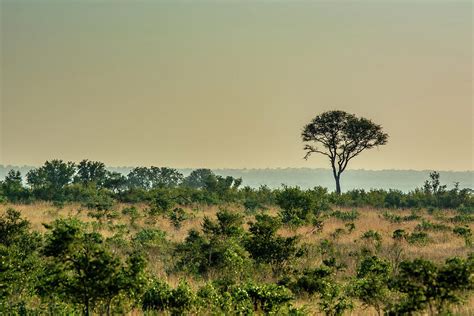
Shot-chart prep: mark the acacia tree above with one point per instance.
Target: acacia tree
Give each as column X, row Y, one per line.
column 341, row 136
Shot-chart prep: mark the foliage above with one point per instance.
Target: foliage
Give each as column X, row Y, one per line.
column 82, row 270
column 298, row 206
column 99, row 268
column 20, row 263
column 464, row 232
column 371, row 283
column 346, row 216
column 48, row 182
column 334, row 297
column 265, row 246
column 343, row 136
column 12, row 187
column 430, row 287
column 418, row 238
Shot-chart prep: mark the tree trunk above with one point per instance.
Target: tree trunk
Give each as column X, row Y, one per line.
column 338, row 184
column 337, row 175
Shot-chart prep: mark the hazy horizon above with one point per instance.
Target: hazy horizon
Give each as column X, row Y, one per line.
column 219, row 84
column 241, row 168
column 308, row 178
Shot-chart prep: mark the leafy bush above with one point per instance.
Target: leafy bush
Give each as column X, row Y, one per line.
column 334, row 298
column 297, row 206
column 20, row 264
column 161, row 297
column 373, row 237
column 371, row 283
column 418, row 238
column 82, row 270
column 150, row 237
column 427, row 286
column 399, row 234
column 394, row 218
column 464, row 232
column 266, row 247
column 268, row 298
column 429, row 226
column 157, row 296
column 100, row 201
column 463, row 219
column 177, row 216
column 346, row 216
column 132, row 213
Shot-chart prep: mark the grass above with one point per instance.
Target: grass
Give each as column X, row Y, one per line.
column 442, row 242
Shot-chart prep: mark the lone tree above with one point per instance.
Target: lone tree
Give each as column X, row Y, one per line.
column 341, row 137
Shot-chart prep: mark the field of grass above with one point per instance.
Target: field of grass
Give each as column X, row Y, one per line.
column 343, row 228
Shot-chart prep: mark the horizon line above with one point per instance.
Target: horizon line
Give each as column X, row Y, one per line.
column 249, row 168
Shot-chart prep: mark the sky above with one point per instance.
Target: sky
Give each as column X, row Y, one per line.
column 230, row 84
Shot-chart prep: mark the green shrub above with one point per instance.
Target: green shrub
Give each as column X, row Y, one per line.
column 418, row 238
column 265, row 246
column 371, row 283
column 297, row 206
column 463, row 219
column 161, row 297
column 373, row 237
column 399, row 234
column 101, row 201
column 427, row 286
column 177, row 216
column 334, row 298
column 350, row 227
column 464, row 232
column 346, row 216
column 268, row 298
column 132, row 213
column 157, row 296
column 150, row 237
column 429, row 226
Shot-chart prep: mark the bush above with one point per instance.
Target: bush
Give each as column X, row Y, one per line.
column 429, row 226
column 157, row 296
column 346, row 216
column 418, row 238
column 399, row 234
column 334, row 299
column 374, row 237
column 150, row 237
column 464, row 232
column 177, row 216
column 427, row 286
column 266, row 247
column 371, row 283
column 268, row 298
column 132, row 213
column 297, row 206
column 463, row 219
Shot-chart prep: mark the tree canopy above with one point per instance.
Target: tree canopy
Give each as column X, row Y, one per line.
column 341, row 136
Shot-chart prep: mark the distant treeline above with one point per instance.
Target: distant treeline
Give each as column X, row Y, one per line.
column 307, row 178
column 92, row 184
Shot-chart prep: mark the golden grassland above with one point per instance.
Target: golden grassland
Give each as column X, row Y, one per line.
column 442, row 245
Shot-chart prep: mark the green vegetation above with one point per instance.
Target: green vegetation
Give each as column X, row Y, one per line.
column 342, row 136
column 160, row 243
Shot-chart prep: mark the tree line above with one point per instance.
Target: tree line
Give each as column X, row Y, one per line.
column 90, row 183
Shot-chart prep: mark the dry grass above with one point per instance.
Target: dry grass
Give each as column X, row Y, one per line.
column 443, row 244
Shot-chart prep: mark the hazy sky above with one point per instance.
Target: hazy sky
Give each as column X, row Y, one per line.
column 231, row 83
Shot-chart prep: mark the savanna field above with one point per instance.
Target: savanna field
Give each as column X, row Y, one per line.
column 260, row 157
column 155, row 242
